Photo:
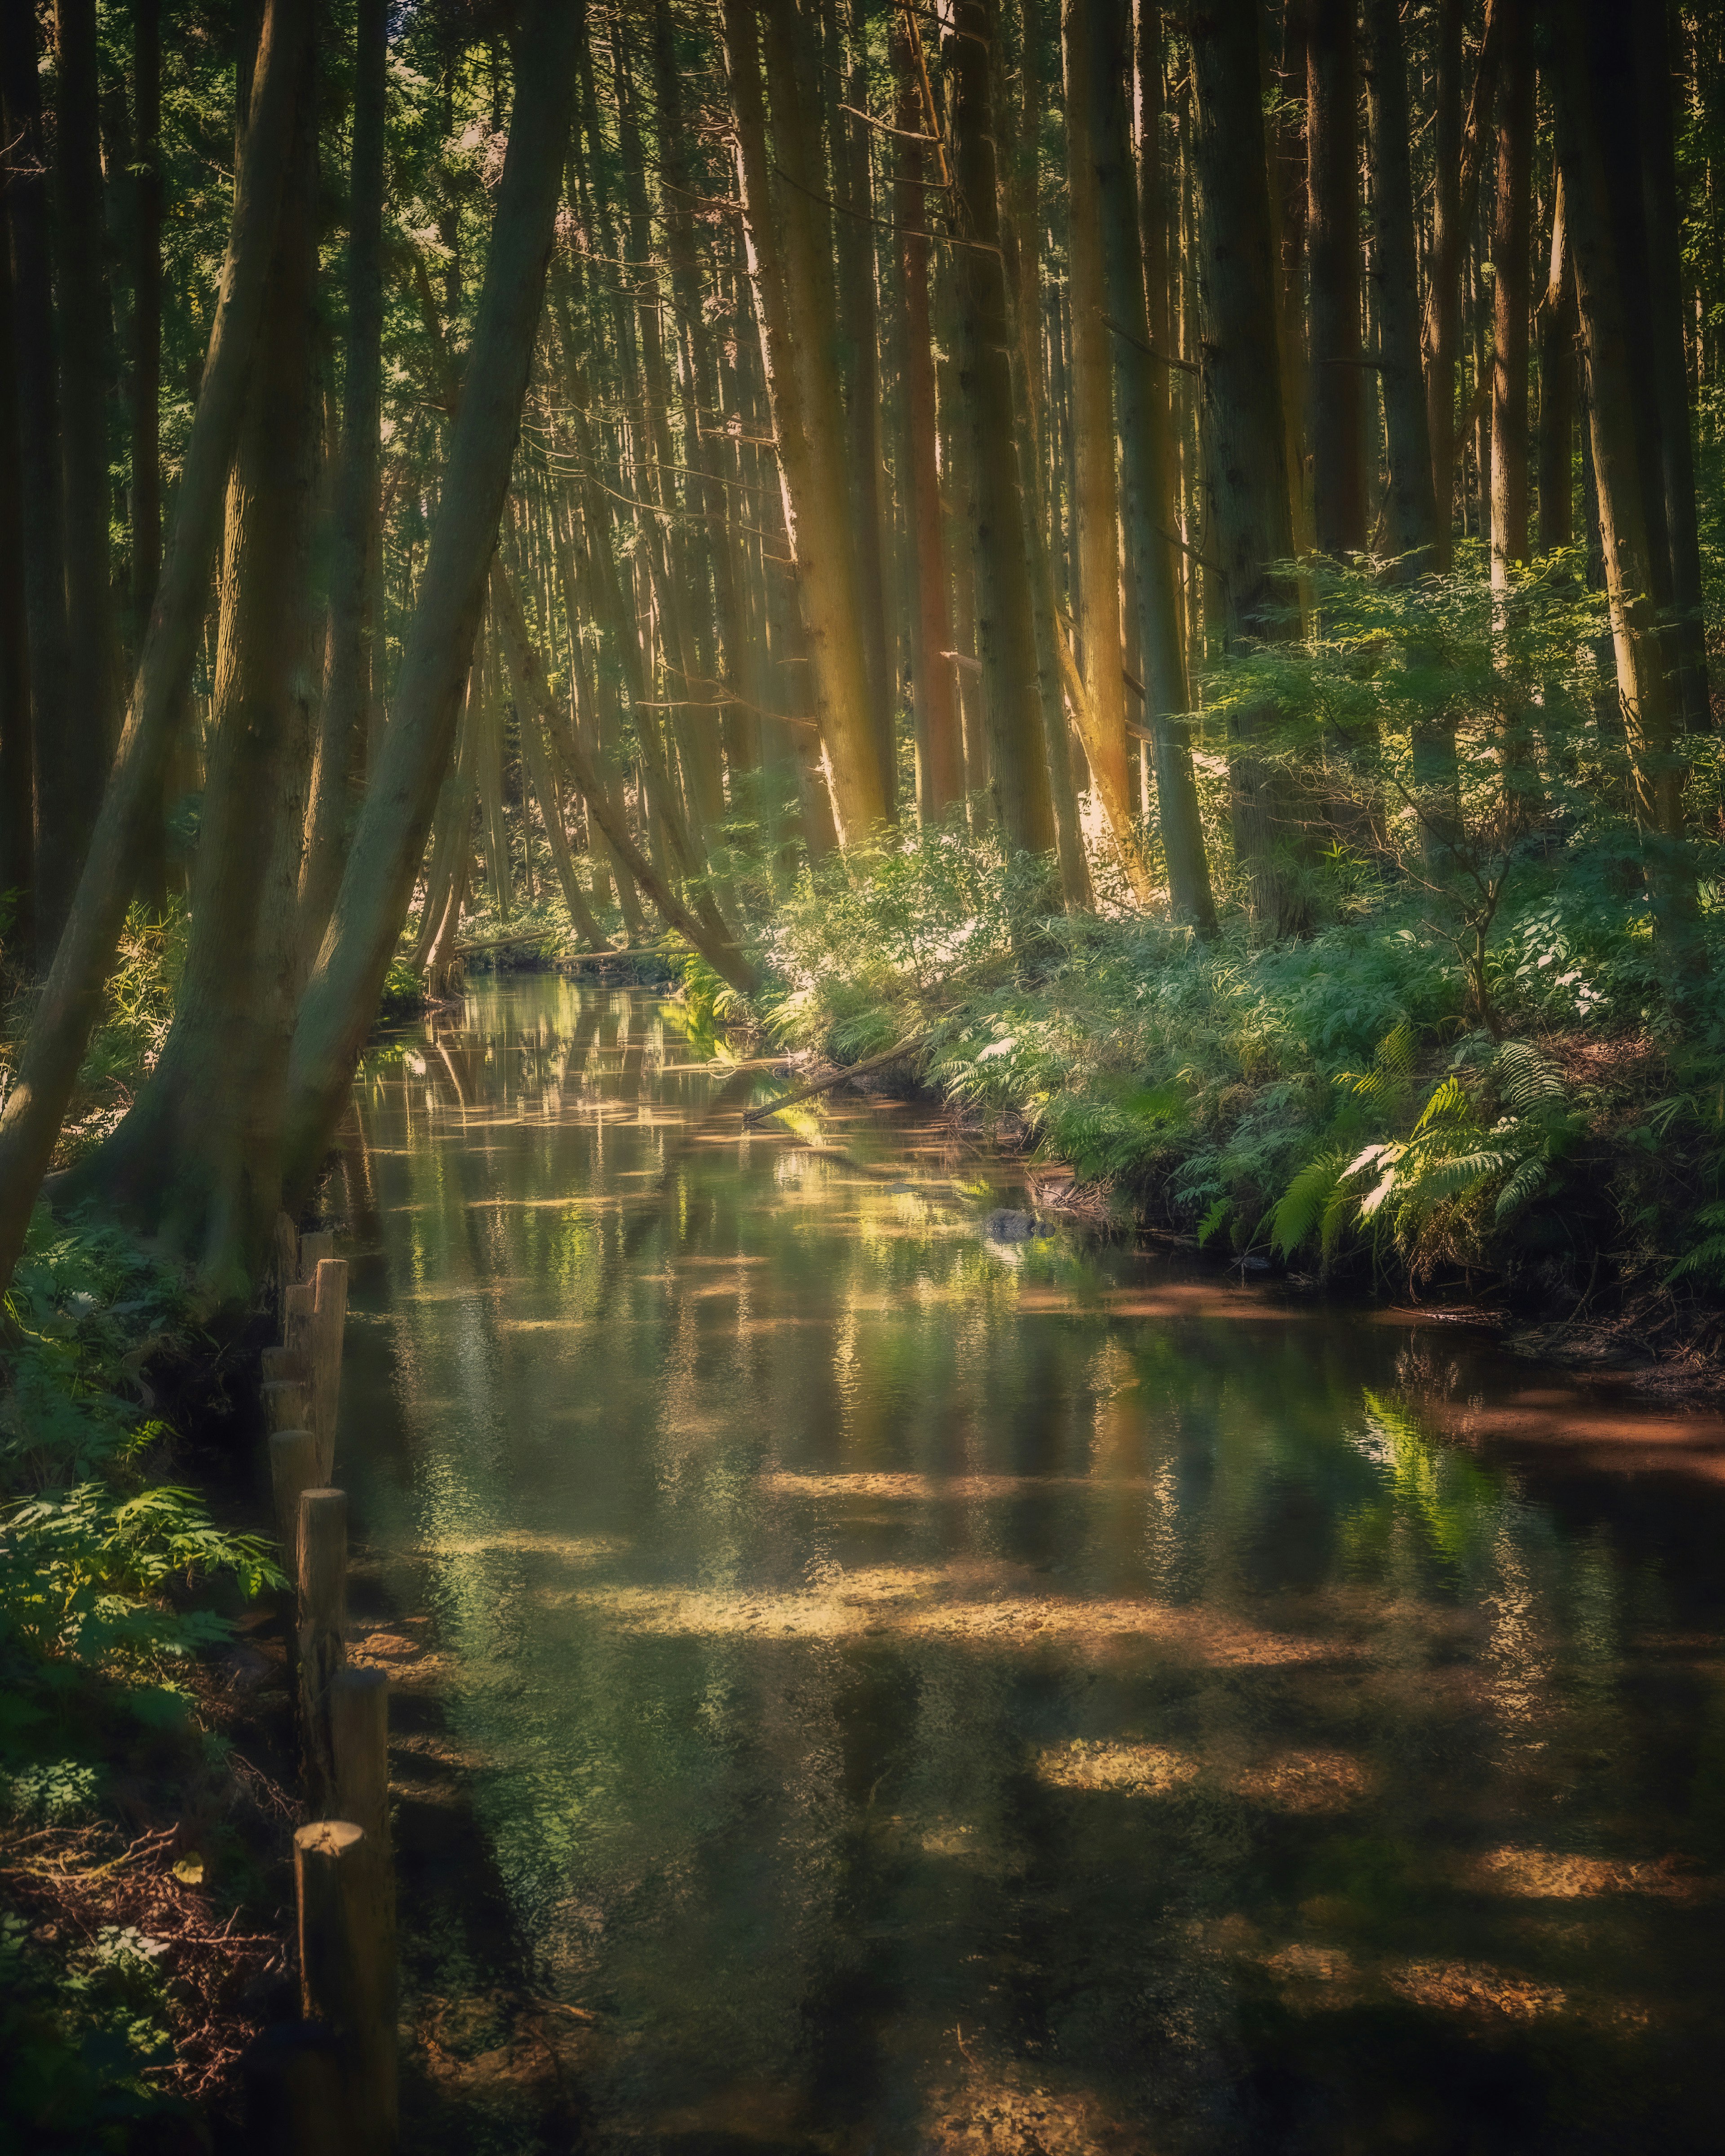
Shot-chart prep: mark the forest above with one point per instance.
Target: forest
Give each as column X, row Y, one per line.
column 1154, row 575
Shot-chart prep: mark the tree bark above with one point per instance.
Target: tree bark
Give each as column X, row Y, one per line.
column 345, row 728
column 389, row 841
column 1146, row 462
column 1338, row 479
column 146, row 312
column 1244, row 435
column 71, row 998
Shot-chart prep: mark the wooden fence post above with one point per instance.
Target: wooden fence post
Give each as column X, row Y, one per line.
column 329, row 1329
column 285, row 1239
column 281, row 1367
column 318, row 1245
column 359, row 1740
column 345, row 1973
column 293, row 1471
column 323, row 1621
column 287, row 1404
column 295, row 2101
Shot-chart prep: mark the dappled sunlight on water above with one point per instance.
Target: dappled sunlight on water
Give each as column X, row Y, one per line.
column 882, row 1689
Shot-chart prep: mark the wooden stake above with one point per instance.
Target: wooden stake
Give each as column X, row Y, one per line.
column 318, row 1244
column 329, row 1330
column 281, row 1364
column 285, row 1238
column 295, row 2101
column 359, row 1734
column 323, row 1621
column 287, row 1403
column 293, row 1471
column 345, row 1974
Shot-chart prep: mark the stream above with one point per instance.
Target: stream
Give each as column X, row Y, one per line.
column 862, row 1686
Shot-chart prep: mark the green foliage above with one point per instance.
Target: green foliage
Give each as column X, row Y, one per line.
column 81, row 2025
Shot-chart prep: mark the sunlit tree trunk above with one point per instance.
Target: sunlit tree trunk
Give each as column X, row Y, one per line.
column 1557, row 330
column 71, row 998
column 146, row 384
column 940, row 747
column 1146, row 462
column 1098, row 185
column 389, row 841
column 17, row 777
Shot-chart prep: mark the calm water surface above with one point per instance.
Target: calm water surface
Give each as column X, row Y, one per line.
column 864, row 1687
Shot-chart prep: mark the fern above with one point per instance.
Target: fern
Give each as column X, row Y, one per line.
column 1705, row 1260
column 1305, row 1205
column 1528, row 1178
column 1530, row 1082
column 1214, row 1220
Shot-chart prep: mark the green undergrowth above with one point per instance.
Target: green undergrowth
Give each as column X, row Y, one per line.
column 114, row 1584
column 1329, row 1103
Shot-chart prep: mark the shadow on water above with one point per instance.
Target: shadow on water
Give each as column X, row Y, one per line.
column 865, row 1688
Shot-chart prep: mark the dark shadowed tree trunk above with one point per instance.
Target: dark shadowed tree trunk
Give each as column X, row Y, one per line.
column 1244, row 439
column 1599, row 155
column 1557, row 330
column 1339, row 477
column 1510, row 256
column 17, row 778
column 347, row 692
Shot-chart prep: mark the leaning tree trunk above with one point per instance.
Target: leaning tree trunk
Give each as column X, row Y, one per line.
column 1243, row 437
column 1338, row 476
column 71, row 999
column 1146, row 459
column 354, row 535
column 1597, row 154
column 197, row 1160
column 18, row 776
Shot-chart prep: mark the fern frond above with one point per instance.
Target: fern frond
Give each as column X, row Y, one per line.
column 1448, row 1104
column 1527, row 1080
column 1706, row 1260
column 1439, row 1179
column 1395, row 1051
column 1527, row 1179
column 1214, row 1220
column 1302, row 1205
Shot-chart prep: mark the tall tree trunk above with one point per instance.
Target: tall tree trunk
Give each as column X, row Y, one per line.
column 66, row 770
column 146, row 312
column 1245, row 438
column 1557, row 330
column 344, row 728
column 1338, row 479
column 793, row 306
column 1511, row 254
column 71, row 998
column 1098, row 187
column 86, row 345
column 17, row 775
column 389, row 841
column 1663, row 223
column 940, row 747
column 197, row 1159
column 1598, row 155
column 1411, row 534
column 1019, row 778
column 1146, row 462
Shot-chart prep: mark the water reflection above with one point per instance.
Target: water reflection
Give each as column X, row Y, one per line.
column 884, row 1695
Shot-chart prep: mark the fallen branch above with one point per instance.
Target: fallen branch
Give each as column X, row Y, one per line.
column 908, row 1046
